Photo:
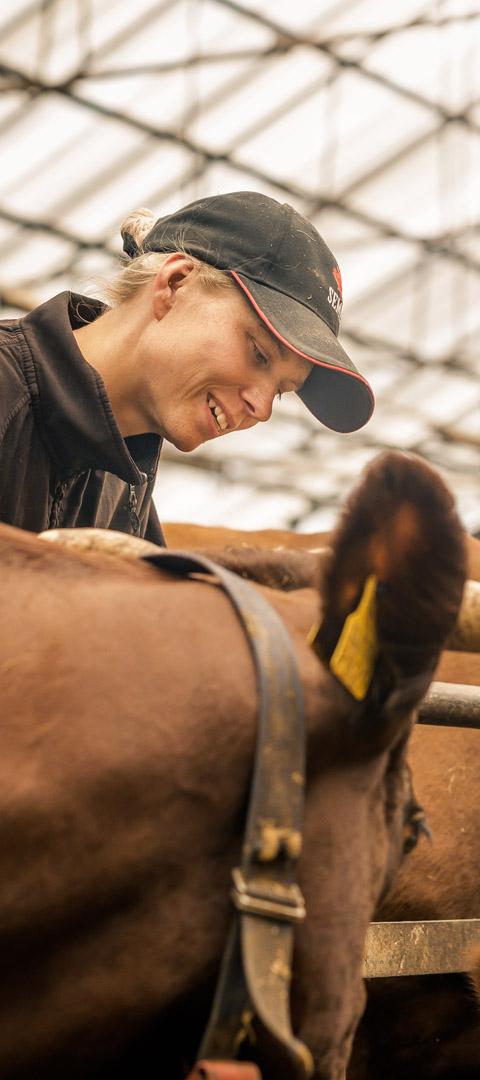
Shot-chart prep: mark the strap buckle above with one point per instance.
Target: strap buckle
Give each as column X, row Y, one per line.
column 281, row 901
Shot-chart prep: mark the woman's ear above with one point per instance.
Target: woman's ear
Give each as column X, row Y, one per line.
column 174, row 273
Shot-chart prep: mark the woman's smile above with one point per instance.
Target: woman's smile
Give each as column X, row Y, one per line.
column 221, row 422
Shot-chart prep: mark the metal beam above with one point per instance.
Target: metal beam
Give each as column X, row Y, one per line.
column 451, row 705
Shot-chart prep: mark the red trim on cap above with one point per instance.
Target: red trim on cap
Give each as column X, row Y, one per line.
column 312, row 359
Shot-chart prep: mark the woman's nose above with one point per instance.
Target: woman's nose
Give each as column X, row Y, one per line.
column 259, row 401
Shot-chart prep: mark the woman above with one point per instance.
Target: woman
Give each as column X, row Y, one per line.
column 223, row 305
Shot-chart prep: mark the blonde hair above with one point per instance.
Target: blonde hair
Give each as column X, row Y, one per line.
column 138, row 271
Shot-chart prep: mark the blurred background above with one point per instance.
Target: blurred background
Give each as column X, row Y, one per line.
column 363, row 115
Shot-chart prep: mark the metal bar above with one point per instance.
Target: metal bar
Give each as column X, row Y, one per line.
column 451, row 705
column 419, row 948
column 226, row 56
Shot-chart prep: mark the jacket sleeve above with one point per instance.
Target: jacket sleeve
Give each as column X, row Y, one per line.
column 153, row 531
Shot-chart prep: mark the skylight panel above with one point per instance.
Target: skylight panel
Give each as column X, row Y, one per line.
column 188, row 91
column 185, row 29
column 443, row 395
column 49, row 124
column 333, row 138
column 59, row 179
column 107, row 204
column 34, row 255
column 268, row 93
column 398, row 426
column 431, row 191
column 438, row 62
column 369, row 16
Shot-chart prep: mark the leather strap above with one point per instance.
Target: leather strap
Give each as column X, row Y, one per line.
column 264, row 890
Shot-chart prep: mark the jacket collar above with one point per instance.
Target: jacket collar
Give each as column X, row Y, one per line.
column 70, row 398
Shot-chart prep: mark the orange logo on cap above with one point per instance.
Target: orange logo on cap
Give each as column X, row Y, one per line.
column 338, row 278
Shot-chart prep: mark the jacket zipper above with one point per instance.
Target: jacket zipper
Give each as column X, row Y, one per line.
column 132, row 510
column 61, row 489
column 56, row 509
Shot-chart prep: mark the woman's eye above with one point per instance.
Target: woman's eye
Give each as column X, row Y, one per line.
column 260, row 357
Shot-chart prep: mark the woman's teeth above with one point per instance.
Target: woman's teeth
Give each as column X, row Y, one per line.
column 216, row 411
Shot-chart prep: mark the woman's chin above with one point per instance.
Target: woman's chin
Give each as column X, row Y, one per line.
column 186, row 442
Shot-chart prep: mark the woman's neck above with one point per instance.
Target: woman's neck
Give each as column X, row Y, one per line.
column 109, row 345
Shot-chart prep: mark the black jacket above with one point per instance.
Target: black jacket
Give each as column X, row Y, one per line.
column 63, row 461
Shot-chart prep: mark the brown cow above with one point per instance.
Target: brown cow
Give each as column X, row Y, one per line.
column 124, row 782
column 186, row 535
column 445, row 766
column 199, row 537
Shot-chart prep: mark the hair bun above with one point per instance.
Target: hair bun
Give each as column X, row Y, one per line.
column 137, row 224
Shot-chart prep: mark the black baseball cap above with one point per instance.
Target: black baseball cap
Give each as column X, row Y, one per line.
column 291, row 279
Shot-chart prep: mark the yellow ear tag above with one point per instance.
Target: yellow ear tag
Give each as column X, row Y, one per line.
column 353, row 658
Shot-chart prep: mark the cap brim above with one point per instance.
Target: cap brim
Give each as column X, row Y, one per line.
column 334, row 392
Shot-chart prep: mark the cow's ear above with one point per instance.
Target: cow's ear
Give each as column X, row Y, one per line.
column 393, row 588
